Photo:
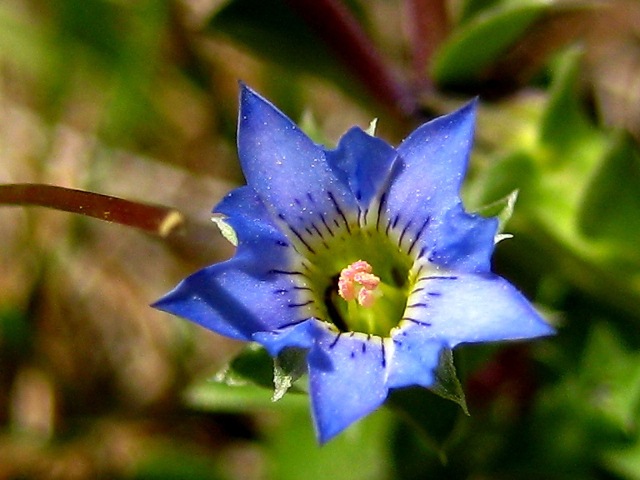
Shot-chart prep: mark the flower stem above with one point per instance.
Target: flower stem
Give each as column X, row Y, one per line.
column 343, row 34
column 157, row 220
column 428, row 27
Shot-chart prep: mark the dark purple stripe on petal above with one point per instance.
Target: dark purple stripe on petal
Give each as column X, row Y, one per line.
column 303, row 288
column 290, row 324
column 418, row 235
column 386, row 230
column 339, row 210
column 418, row 322
column 435, row 277
column 286, row 272
column 404, row 231
column 303, row 304
column 302, row 240
column 383, row 199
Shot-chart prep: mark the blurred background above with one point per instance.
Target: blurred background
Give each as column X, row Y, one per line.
column 138, row 99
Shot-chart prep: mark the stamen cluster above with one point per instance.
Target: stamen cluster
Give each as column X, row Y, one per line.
column 358, row 282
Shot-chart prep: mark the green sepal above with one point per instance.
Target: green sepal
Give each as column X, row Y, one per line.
column 249, row 380
column 501, row 209
column 226, row 230
column 288, row 367
column 447, row 384
column 253, row 365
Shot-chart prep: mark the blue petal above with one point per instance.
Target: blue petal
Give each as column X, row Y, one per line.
column 460, row 241
column 434, row 161
column 347, row 380
column 415, row 357
column 470, row 308
column 254, row 227
column 255, row 290
column 300, row 335
column 288, row 171
column 423, row 198
column 365, row 162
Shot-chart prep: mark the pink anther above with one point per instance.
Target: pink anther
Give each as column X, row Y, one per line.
column 357, row 282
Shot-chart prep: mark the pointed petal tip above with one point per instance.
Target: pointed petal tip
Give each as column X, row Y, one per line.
column 544, row 330
column 163, row 303
column 469, row 109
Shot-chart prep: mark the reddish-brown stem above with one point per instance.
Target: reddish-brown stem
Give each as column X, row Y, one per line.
column 342, row 33
column 157, row 220
column 428, row 27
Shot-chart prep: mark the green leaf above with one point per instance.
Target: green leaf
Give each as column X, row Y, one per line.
column 610, row 379
column 565, row 125
column 215, row 396
column 624, row 462
column 360, row 453
column 480, row 42
column 610, row 209
column 431, row 417
column 471, row 8
column 174, row 461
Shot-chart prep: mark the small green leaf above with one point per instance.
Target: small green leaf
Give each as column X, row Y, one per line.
column 479, row 42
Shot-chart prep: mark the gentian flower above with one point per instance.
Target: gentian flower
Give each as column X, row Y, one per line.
column 362, row 255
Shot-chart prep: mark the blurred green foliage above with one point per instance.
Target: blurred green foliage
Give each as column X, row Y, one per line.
column 147, row 89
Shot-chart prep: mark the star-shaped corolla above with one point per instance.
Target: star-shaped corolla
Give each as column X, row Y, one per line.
column 363, row 256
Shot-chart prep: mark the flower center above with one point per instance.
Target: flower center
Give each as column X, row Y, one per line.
column 363, row 278
column 356, row 282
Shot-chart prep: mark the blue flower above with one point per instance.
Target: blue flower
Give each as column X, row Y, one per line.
column 363, row 256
